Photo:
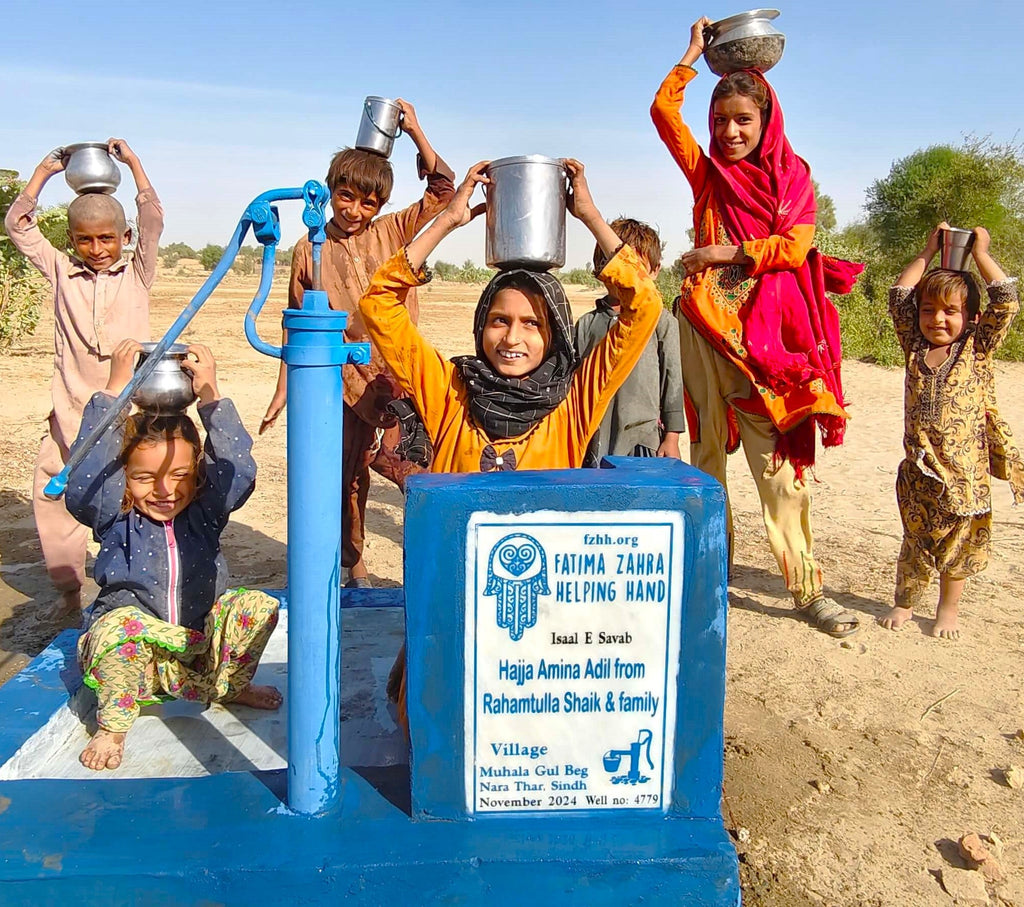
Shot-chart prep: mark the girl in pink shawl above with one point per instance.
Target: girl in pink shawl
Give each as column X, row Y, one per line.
column 760, row 339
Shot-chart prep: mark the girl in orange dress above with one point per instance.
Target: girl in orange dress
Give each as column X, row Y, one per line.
column 523, row 401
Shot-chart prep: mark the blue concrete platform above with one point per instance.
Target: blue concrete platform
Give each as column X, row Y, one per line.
column 229, row 837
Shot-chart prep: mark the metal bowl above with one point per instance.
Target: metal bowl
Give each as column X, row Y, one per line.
column 169, row 388
column 744, row 41
column 760, row 53
column 90, row 168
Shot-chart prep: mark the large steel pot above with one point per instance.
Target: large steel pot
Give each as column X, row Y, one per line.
column 169, row 388
column 526, row 213
column 744, row 41
column 380, row 125
column 89, row 167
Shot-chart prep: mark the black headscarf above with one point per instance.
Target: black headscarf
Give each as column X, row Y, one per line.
column 505, row 407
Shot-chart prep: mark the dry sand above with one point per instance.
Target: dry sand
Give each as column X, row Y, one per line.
column 843, row 786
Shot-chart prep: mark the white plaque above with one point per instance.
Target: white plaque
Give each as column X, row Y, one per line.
column 572, row 652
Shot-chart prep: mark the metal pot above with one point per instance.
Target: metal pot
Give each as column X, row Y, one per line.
column 380, row 126
column 169, row 388
column 955, row 248
column 744, row 41
column 526, row 213
column 89, row 167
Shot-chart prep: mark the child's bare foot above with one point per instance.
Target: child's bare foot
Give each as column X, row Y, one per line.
column 262, row 697
column 104, row 751
column 946, row 624
column 896, row 617
column 69, row 604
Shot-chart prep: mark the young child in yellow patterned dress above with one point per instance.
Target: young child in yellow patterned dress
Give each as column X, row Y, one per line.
column 164, row 622
column 954, row 439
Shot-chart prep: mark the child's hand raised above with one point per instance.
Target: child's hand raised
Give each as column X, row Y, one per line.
column 203, row 372
column 580, row 202
column 122, row 366
column 982, row 241
column 931, row 247
column 697, row 34
column 410, row 124
column 459, row 212
column 54, row 162
column 119, row 150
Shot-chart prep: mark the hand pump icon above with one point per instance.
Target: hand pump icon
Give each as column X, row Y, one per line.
column 613, row 760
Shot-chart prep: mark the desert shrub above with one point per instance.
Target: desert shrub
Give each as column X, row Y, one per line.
column 22, row 290
column 174, row 252
column 468, row 273
column 209, row 255
column 581, row 277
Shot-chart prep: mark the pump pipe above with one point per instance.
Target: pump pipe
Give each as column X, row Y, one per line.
column 314, row 353
column 56, row 486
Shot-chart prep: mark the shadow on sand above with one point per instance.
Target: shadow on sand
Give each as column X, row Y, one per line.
column 764, row 582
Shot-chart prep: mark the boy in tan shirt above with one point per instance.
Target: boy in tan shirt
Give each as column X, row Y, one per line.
column 100, row 298
column 358, row 243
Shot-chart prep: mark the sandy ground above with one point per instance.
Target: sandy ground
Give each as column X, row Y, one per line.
column 845, row 783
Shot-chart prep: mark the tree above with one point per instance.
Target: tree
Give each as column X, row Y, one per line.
column 825, row 219
column 247, row 260
column 283, row 257
column 174, row 252
column 209, row 255
column 978, row 184
column 22, row 289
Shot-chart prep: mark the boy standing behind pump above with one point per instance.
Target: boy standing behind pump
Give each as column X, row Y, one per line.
column 647, row 411
column 99, row 298
column 360, row 183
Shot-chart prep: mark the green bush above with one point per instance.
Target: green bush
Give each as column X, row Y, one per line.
column 468, row 273
column 209, row 256
column 174, row 252
column 22, row 290
column 581, row 277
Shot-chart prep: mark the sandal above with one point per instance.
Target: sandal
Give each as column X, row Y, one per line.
column 830, row 617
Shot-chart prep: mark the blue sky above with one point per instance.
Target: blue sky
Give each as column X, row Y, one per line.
column 223, row 100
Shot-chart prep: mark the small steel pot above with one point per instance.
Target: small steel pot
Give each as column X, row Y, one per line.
column 88, row 167
column 380, row 126
column 955, row 247
column 526, row 213
column 169, row 388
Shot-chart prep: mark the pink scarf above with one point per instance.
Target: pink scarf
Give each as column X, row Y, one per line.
column 791, row 328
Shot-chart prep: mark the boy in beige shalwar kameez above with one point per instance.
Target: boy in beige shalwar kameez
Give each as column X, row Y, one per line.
column 100, row 298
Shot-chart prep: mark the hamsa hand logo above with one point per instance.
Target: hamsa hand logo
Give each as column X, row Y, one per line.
column 517, row 573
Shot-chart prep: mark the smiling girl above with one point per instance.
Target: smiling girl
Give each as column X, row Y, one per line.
column 759, row 337
column 163, row 623
column 523, row 401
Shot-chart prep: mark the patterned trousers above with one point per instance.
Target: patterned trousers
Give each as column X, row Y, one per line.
column 131, row 658
column 934, row 540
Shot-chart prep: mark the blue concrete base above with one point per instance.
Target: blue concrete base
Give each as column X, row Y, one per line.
column 226, row 839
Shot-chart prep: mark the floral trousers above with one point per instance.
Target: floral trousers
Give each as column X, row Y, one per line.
column 934, row 540
column 131, row 658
